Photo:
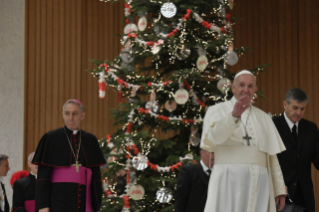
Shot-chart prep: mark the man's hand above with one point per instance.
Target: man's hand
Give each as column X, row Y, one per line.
column 44, row 210
column 239, row 107
column 281, row 200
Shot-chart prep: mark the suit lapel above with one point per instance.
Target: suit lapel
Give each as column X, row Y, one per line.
column 286, row 132
column 301, row 133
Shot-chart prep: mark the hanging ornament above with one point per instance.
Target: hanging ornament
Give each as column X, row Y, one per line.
column 164, row 195
column 152, row 104
column 142, row 23
column 126, row 56
column 140, row 162
column 102, row 85
column 183, row 53
column 231, row 58
column 156, row 48
column 127, row 43
column 194, row 136
column 202, row 62
column 170, row 105
column 136, row 192
column 223, row 85
column 231, row 4
column 168, row 10
column 130, row 28
column 181, row 95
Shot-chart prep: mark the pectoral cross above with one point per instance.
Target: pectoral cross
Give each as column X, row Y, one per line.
column 77, row 165
column 247, row 138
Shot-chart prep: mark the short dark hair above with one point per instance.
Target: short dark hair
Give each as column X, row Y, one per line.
column 3, row 157
column 296, row 94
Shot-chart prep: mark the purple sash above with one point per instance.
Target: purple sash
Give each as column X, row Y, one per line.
column 69, row 175
column 29, row 205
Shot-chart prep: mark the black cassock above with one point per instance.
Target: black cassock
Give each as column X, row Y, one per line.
column 54, row 151
column 23, row 190
column 6, row 204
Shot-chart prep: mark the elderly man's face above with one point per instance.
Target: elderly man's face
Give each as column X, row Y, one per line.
column 244, row 86
column 72, row 116
column 4, row 168
column 208, row 158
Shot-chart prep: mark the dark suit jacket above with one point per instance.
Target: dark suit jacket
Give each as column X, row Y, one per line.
column 191, row 193
column 23, row 190
column 296, row 161
column 6, row 204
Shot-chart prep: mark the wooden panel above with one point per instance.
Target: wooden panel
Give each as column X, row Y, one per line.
column 60, row 38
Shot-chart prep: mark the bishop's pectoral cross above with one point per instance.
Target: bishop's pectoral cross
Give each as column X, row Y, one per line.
column 77, row 165
column 247, row 138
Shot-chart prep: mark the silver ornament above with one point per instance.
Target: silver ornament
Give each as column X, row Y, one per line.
column 164, row 195
column 194, row 139
column 231, row 58
column 126, row 56
column 140, row 162
column 224, row 85
column 183, row 54
column 168, row 10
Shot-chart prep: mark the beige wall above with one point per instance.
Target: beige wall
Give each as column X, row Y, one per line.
column 12, row 17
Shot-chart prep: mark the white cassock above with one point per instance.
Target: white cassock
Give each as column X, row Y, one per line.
column 245, row 178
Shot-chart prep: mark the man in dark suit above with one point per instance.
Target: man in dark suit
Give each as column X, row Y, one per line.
column 192, row 184
column 301, row 138
column 4, row 168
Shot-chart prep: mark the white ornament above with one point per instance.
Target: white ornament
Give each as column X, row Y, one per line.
column 224, row 85
column 170, row 105
column 137, row 192
column 156, row 48
column 142, row 23
column 202, row 62
column 168, row 10
column 130, row 28
column 181, row 96
column 164, row 195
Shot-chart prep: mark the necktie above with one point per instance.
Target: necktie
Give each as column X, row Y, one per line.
column 294, row 134
column 209, row 171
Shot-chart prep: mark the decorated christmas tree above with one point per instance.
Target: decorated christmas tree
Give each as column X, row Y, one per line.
column 173, row 65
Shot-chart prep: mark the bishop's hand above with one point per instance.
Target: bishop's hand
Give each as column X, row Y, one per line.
column 240, row 106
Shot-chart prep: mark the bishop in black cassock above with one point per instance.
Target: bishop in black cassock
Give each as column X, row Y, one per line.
column 24, row 184
column 60, row 183
column 23, row 191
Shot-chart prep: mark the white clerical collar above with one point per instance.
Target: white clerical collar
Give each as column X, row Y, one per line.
column 73, row 131
column 34, row 175
column 205, row 168
column 290, row 123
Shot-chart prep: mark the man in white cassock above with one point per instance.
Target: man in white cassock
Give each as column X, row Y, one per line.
column 246, row 175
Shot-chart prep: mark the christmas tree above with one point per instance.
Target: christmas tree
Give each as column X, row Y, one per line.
column 173, row 66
